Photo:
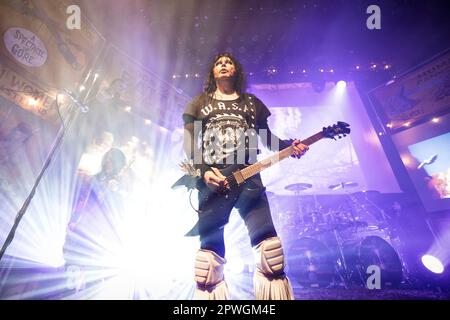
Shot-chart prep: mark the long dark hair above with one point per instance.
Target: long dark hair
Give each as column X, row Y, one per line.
column 117, row 158
column 240, row 81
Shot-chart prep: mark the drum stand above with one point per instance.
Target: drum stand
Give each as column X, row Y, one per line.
column 398, row 246
column 296, row 188
column 395, row 242
column 341, row 269
column 341, row 266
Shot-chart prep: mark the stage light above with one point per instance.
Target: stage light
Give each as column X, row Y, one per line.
column 435, row 120
column 341, row 84
column 32, row 102
column 61, row 97
column 321, row 70
column 271, row 71
column 380, row 133
column 332, row 70
column 407, row 124
column 406, row 159
column 303, row 71
column 148, row 121
column 390, row 82
column 432, row 263
column 291, row 72
column 90, row 163
column 357, row 67
column 186, row 75
column 389, row 125
column 128, row 109
column 386, row 67
column 174, row 76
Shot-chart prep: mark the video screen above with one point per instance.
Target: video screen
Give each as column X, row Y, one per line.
column 425, row 153
column 433, row 156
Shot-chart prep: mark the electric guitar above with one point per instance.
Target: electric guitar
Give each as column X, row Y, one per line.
column 237, row 175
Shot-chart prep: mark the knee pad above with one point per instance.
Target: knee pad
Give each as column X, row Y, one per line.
column 270, row 257
column 208, row 268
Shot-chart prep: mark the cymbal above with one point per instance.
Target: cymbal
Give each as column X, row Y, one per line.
column 295, row 187
column 343, row 185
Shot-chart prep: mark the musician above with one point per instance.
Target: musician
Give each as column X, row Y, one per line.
column 96, row 191
column 226, row 119
column 14, row 149
column 14, row 141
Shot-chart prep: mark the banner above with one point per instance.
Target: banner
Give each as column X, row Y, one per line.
column 39, row 55
column 15, row 88
column 415, row 95
column 144, row 92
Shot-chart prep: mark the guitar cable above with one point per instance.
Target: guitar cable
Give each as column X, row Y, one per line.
column 190, row 202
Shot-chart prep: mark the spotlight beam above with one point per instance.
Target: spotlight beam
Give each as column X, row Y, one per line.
column 44, row 168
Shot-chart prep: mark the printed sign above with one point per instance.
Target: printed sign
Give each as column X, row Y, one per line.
column 25, row 47
column 415, row 95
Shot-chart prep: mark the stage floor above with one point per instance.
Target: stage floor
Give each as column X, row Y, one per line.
column 365, row 294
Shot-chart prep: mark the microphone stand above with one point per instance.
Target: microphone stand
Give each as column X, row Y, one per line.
column 56, row 144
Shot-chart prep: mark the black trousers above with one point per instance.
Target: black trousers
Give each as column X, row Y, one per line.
column 249, row 199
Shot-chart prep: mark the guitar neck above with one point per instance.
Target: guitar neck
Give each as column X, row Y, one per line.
column 256, row 168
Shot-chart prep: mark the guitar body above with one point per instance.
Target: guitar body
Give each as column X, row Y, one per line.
column 196, row 182
column 215, row 205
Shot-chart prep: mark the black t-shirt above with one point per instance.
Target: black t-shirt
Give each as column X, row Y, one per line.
column 229, row 128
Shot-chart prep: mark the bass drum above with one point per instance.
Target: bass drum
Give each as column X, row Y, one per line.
column 310, row 263
column 369, row 251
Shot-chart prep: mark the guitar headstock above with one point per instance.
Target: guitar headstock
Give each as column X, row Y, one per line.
column 340, row 129
column 187, row 166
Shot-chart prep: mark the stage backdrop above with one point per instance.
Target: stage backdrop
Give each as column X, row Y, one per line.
column 299, row 112
column 39, row 54
column 144, row 92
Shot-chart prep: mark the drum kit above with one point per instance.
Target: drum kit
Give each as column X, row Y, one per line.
column 339, row 246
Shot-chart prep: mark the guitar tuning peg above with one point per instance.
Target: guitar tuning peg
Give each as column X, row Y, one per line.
column 339, row 137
